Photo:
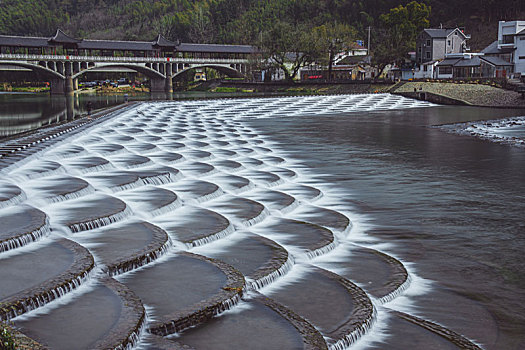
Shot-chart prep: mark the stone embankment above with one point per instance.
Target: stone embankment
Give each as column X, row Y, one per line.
column 461, row 94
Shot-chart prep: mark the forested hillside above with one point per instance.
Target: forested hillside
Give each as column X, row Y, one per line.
column 233, row 21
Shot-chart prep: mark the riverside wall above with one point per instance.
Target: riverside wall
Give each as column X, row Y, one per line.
column 460, row 94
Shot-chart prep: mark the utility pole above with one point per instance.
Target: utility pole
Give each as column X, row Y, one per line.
column 368, row 48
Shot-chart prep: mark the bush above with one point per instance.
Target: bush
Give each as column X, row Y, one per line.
column 7, row 341
column 225, row 89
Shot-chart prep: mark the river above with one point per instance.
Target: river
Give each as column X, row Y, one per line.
column 452, row 206
column 448, row 208
column 21, row 112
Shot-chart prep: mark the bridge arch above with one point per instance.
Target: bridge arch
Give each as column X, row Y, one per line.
column 225, row 69
column 150, row 73
column 49, row 73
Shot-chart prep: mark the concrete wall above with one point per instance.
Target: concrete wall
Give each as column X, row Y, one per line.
column 431, row 97
column 422, row 48
column 422, row 74
column 519, row 54
column 509, row 28
column 438, row 49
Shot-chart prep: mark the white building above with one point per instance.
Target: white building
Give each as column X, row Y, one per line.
column 511, row 35
column 426, row 70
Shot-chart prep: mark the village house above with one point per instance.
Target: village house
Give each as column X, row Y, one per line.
column 511, row 42
column 473, row 65
column 434, row 44
column 426, row 70
column 351, row 64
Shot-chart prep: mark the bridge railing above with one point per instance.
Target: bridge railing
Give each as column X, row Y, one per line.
column 22, row 57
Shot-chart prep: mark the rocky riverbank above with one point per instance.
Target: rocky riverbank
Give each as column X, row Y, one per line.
column 468, row 94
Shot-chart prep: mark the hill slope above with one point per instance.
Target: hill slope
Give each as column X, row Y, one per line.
column 232, row 21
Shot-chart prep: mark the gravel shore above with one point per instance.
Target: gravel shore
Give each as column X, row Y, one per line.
column 474, row 94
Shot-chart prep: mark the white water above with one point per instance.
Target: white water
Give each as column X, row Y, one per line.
column 226, row 115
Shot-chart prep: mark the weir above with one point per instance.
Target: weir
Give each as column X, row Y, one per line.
column 196, row 215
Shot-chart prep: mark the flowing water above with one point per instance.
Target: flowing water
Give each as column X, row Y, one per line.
column 334, row 222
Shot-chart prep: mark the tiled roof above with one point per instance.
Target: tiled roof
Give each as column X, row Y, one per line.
column 115, row 45
column 448, row 62
column 61, row 37
column 163, row 42
column 492, row 49
column 7, row 40
column 438, row 33
column 496, row 61
column 473, row 62
column 184, row 47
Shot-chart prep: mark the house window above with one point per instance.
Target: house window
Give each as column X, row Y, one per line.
column 428, row 54
column 425, row 68
column 448, row 42
column 428, row 42
column 445, row 70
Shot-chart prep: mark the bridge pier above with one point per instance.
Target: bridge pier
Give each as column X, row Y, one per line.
column 169, row 80
column 70, row 110
column 162, row 84
column 157, row 85
column 58, row 86
column 70, row 86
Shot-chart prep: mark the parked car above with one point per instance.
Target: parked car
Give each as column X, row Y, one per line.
column 89, row 84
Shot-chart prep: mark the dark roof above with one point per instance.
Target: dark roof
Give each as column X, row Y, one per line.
column 429, row 63
column 438, row 33
column 353, row 60
column 7, row 40
column 443, row 33
column 61, row 37
column 472, row 62
column 496, row 61
column 163, row 42
column 448, row 62
column 184, row 47
column 115, row 45
column 492, row 49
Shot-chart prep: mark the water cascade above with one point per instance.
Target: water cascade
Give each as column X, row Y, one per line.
column 145, row 189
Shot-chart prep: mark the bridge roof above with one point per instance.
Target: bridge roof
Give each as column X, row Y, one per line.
column 121, row 45
column 23, row 41
column 115, row 45
column 218, row 48
column 161, row 41
column 62, row 38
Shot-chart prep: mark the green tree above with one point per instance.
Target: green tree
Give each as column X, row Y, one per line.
column 332, row 39
column 398, row 31
column 201, row 31
column 289, row 47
